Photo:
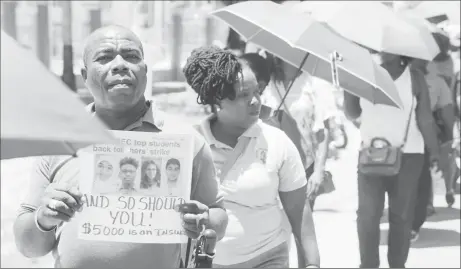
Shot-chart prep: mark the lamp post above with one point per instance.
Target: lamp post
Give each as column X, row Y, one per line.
column 68, row 75
column 43, row 32
column 9, row 18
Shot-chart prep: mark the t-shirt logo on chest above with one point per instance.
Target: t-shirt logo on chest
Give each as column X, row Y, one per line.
column 261, row 154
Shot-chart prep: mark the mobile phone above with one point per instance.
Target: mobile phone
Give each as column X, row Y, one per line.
column 188, row 208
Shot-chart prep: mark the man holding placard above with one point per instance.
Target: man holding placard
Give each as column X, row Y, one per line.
column 52, row 216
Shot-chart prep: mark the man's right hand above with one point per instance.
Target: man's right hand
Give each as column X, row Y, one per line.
column 60, row 203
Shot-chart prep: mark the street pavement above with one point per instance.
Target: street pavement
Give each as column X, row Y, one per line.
column 335, row 217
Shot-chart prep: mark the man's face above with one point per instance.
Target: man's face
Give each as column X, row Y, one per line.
column 172, row 172
column 127, row 175
column 115, row 71
column 104, row 170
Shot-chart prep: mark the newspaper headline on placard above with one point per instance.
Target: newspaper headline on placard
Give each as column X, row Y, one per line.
column 131, row 189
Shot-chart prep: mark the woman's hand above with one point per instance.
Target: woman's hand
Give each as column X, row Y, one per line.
column 314, row 183
column 195, row 217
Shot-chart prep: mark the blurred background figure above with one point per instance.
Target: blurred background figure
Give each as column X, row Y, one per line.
column 443, row 111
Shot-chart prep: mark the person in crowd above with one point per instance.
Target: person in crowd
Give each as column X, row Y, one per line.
column 305, row 116
column 115, row 73
column 443, row 65
column 128, row 168
column 256, row 164
column 151, row 177
column 441, row 104
column 457, row 129
column 312, row 107
column 415, row 122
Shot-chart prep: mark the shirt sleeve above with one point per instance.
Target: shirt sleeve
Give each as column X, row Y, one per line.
column 291, row 172
column 325, row 105
column 38, row 182
column 205, row 185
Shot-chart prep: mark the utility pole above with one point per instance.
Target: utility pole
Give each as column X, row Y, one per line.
column 234, row 41
column 95, row 19
column 68, row 75
column 43, row 32
column 177, row 43
column 9, row 18
column 209, row 24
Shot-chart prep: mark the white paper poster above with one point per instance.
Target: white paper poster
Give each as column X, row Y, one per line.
column 131, row 189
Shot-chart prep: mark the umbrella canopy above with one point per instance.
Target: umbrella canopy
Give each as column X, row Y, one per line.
column 431, row 9
column 39, row 114
column 376, row 26
column 410, row 16
column 292, row 36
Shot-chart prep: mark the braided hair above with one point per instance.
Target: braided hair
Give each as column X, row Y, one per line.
column 212, row 73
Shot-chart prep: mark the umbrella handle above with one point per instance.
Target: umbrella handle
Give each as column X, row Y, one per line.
column 206, row 244
column 334, row 58
column 293, row 80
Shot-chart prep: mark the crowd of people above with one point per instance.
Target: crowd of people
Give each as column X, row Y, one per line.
column 259, row 161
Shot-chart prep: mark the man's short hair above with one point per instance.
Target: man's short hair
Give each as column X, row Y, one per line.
column 173, row 161
column 129, row 160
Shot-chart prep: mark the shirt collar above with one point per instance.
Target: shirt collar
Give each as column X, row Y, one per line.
column 152, row 116
column 252, row 132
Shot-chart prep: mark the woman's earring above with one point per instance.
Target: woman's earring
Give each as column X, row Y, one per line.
column 402, row 62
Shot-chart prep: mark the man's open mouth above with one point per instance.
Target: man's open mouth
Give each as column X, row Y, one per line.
column 121, row 83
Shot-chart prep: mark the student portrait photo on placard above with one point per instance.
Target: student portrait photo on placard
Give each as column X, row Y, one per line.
column 151, row 182
column 128, row 172
column 105, row 180
column 173, row 175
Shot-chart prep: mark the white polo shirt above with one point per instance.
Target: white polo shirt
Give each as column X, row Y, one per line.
column 268, row 165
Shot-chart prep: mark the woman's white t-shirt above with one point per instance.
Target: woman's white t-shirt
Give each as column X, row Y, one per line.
column 390, row 122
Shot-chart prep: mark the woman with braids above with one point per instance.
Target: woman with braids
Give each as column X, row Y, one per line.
column 256, row 163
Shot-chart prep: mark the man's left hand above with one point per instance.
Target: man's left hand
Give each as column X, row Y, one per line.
column 314, row 183
column 193, row 222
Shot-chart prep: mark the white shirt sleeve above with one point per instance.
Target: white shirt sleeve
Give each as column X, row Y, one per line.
column 325, row 104
column 291, row 172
